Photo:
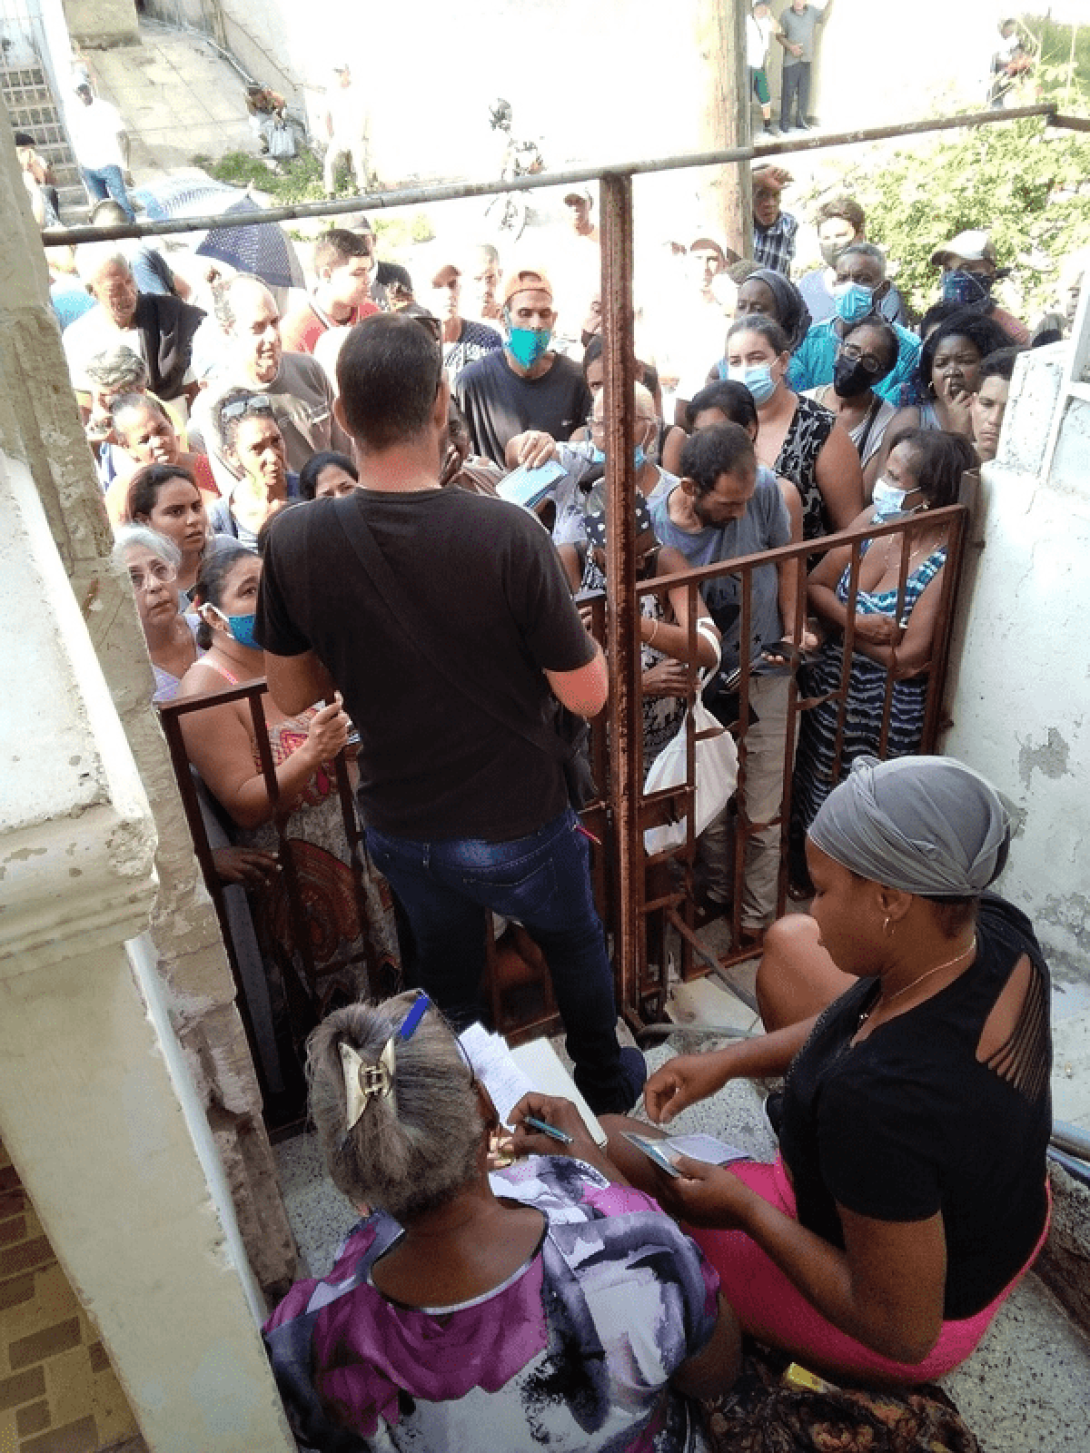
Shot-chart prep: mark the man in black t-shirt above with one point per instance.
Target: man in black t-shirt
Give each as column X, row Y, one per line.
column 525, row 385
column 463, row 813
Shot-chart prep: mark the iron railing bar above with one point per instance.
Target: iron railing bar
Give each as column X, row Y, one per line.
column 625, row 713
column 455, row 191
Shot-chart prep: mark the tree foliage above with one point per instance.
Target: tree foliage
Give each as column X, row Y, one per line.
column 1027, row 184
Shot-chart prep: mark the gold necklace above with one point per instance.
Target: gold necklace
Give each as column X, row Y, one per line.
column 882, row 1001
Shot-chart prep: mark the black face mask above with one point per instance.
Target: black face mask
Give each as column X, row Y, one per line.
column 850, row 378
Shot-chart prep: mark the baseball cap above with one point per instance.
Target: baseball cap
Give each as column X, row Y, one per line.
column 526, row 280
column 974, row 245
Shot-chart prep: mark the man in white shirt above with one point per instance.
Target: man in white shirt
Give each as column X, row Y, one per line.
column 346, row 126
column 761, row 26
column 101, row 145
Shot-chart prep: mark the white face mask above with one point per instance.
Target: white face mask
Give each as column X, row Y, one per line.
column 889, row 501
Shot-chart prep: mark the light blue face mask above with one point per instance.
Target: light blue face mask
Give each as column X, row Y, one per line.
column 757, row 379
column 639, row 456
column 527, row 345
column 889, row 501
column 852, row 301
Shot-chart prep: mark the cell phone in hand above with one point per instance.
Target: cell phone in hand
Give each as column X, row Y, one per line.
column 653, row 1151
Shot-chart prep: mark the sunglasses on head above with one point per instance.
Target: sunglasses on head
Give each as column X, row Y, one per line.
column 254, row 404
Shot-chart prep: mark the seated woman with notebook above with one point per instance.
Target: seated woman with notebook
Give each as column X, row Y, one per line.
column 910, row 1015
column 544, row 1306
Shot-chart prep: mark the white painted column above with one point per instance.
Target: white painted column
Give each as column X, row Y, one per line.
column 90, row 1075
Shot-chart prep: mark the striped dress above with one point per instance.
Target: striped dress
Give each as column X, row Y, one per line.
column 814, row 775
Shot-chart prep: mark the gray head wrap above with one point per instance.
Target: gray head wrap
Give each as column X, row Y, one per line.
column 926, row 825
column 794, row 315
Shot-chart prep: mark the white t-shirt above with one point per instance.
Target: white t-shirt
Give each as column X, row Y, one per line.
column 94, row 131
column 758, row 39
column 348, row 113
column 92, row 333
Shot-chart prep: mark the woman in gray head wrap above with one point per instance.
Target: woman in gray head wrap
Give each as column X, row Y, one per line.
column 910, row 1193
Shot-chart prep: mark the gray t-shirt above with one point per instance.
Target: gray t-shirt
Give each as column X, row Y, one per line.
column 764, row 526
column 799, row 28
column 302, row 405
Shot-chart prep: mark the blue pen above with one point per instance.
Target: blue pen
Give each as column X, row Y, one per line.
column 414, row 1016
column 546, row 1129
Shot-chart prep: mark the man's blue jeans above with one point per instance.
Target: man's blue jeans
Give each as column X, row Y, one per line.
column 107, row 181
column 543, row 881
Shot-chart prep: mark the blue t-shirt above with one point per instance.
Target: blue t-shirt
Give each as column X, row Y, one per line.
column 765, row 525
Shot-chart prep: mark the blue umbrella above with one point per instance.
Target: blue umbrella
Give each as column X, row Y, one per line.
column 261, row 248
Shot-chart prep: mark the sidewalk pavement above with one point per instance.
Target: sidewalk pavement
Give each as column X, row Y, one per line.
column 178, row 98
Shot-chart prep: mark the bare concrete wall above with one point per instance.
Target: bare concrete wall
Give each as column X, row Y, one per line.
column 102, row 22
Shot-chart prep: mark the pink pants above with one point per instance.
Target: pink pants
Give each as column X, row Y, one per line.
column 773, row 1310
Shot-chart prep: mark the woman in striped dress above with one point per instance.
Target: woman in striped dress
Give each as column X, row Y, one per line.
column 893, row 630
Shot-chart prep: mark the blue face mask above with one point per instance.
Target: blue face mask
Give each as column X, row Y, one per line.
column 968, row 289
column 757, row 379
column 852, row 301
column 639, row 456
column 241, row 627
column 527, row 345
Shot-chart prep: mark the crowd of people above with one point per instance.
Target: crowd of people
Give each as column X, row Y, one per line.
column 769, row 411
column 326, row 493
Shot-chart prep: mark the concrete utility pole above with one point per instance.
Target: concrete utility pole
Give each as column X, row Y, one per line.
column 725, row 117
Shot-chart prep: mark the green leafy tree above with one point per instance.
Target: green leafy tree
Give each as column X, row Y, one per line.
column 1026, row 182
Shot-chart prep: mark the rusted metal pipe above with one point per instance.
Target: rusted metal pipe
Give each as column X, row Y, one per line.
column 453, row 191
column 623, row 623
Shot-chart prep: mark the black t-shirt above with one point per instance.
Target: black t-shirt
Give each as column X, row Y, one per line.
column 499, row 403
column 484, row 574
column 908, row 1122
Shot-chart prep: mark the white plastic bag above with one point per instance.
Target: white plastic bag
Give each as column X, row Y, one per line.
column 281, row 141
column 716, row 765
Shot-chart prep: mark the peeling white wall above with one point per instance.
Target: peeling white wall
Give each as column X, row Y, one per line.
column 1022, row 706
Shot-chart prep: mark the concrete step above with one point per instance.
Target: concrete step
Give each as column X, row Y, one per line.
column 33, row 108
